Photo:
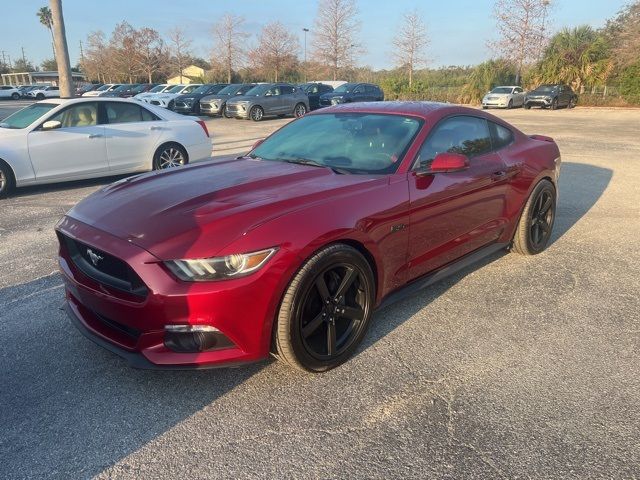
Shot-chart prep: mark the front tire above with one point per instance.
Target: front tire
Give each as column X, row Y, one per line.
column 256, row 113
column 554, row 104
column 170, row 155
column 527, row 106
column 225, row 113
column 299, row 110
column 40, row 96
column 326, row 310
column 536, row 222
column 7, row 180
column 510, row 106
column 15, row 96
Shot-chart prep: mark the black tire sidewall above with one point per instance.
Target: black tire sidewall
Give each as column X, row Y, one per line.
column 162, row 148
column 255, row 109
column 11, row 182
column 540, row 187
column 332, row 256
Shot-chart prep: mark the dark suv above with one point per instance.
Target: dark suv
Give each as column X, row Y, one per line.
column 551, row 95
column 190, row 102
column 216, row 104
column 352, row 92
column 314, row 90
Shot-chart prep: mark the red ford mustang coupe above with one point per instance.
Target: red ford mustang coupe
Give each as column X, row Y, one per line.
column 290, row 249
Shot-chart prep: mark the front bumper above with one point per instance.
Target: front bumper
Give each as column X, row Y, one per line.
column 132, row 325
column 238, row 111
column 210, row 108
column 499, row 103
column 538, row 102
column 184, row 108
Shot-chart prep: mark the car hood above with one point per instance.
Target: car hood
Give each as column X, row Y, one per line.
column 536, row 93
column 244, row 98
column 498, row 94
column 195, row 96
column 195, row 211
column 216, row 96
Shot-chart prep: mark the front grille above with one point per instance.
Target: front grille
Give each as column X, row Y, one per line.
column 104, row 268
column 129, row 332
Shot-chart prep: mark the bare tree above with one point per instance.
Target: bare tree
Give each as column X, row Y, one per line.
column 180, row 49
column 334, row 34
column 521, row 25
column 150, row 51
column 95, row 63
column 229, row 42
column 410, row 43
column 277, row 49
column 62, row 52
column 124, row 51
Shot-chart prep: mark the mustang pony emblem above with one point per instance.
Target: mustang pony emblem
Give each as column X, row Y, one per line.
column 94, row 257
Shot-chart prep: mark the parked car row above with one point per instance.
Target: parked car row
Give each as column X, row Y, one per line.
column 545, row 96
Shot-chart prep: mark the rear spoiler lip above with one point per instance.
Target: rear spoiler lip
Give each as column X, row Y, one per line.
column 542, row 138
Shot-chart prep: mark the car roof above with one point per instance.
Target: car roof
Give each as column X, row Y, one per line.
column 417, row 109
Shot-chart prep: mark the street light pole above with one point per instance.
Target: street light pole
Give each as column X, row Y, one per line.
column 305, row 30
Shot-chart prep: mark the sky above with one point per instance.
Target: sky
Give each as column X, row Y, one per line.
column 458, row 29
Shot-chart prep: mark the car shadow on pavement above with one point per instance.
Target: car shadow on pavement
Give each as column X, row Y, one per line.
column 71, row 409
column 580, row 186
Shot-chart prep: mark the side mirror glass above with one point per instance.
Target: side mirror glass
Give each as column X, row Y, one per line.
column 51, row 125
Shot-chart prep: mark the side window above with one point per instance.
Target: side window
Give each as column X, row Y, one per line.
column 359, row 89
column 313, row 89
column 286, row 89
column 80, row 115
column 53, row 88
column 463, row 134
column 500, row 136
column 518, row 90
column 147, row 116
column 124, row 113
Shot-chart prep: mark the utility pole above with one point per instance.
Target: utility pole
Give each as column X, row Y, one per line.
column 81, row 54
column 24, row 59
column 62, row 51
column 305, row 30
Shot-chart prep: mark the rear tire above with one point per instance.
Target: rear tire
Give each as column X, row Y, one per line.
column 536, row 222
column 7, row 180
column 572, row 103
column 170, row 155
column 299, row 110
column 326, row 310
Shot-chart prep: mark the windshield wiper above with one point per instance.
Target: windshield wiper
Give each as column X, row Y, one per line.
column 313, row 163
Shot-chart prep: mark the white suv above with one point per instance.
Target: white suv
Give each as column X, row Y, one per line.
column 9, row 91
column 44, row 92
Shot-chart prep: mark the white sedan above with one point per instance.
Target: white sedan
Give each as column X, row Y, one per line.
column 163, row 99
column 157, row 89
column 107, row 87
column 44, row 92
column 9, row 91
column 71, row 139
column 504, row 97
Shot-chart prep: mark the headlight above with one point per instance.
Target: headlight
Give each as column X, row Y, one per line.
column 336, row 100
column 219, row 268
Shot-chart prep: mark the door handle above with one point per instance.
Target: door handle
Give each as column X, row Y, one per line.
column 498, row 175
column 95, row 135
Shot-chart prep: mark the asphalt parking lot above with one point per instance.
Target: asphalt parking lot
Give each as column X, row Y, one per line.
column 515, row 368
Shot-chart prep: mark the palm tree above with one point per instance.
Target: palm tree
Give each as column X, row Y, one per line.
column 577, row 56
column 44, row 14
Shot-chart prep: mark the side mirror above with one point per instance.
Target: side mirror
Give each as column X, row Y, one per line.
column 257, row 144
column 446, row 163
column 51, row 125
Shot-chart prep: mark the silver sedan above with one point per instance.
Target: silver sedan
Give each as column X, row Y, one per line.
column 504, row 97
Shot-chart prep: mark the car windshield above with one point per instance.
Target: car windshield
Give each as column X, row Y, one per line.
column 359, row 143
column 546, row 88
column 175, row 89
column 229, row 89
column 191, row 88
column 122, row 88
column 103, row 88
column 258, row 90
column 345, row 88
column 138, row 89
column 502, row 90
column 25, row 117
column 157, row 88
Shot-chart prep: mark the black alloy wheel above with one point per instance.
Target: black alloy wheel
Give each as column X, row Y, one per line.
column 536, row 222
column 7, row 182
column 225, row 113
column 299, row 110
column 326, row 310
column 15, row 96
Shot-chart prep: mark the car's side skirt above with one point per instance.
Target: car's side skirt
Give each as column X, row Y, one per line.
column 441, row 273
